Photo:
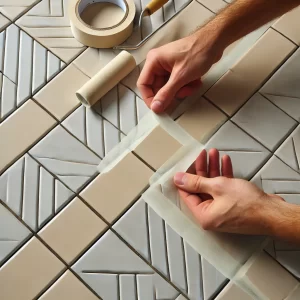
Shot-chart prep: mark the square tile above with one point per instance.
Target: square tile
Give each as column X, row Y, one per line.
column 249, row 73
column 29, row 119
column 92, row 129
column 58, row 97
column 3, row 22
column 246, row 154
column 32, row 192
column 49, row 24
column 13, row 9
column 25, row 67
column 109, row 267
column 283, row 89
column 72, row 230
column 264, row 121
column 288, row 25
column 110, row 201
column 31, row 269
column 213, row 5
column 289, row 151
column 233, row 292
column 12, row 233
column 157, row 147
column 201, row 120
column 70, row 160
column 68, row 287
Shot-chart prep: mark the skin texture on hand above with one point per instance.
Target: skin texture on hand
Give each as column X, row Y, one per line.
column 222, row 203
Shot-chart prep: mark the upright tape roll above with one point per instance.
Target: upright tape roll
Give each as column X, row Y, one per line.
column 106, row 37
column 106, row 78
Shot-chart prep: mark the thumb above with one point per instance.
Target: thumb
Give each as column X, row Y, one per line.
column 194, row 184
column 166, row 94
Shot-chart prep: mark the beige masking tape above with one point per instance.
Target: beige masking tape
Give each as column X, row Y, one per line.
column 102, row 37
column 106, row 78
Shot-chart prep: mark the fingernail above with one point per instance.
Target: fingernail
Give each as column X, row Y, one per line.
column 156, row 105
column 178, row 178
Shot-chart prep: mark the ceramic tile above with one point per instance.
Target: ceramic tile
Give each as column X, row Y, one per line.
column 162, row 247
column 71, row 161
column 32, row 192
column 288, row 25
column 72, row 230
column 49, row 24
column 3, row 22
column 215, row 5
column 110, row 267
column 13, row 9
column 294, row 295
column 250, row 72
column 68, row 287
column 290, row 260
column 233, row 292
column 264, row 121
column 201, row 120
column 58, row 97
column 247, row 155
column 283, row 90
column 13, row 140
column 30, row 270
column 269, row 278
column 91, row 129
column 157, row 147
column 130, row 171
column 24, row 68
column 288, row 152
column 12, row 233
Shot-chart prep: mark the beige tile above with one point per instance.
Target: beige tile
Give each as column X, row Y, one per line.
column 21, row 129
column 68, row 287
column 288, row 25
column 72, row 230
column 201, row 120
column 214, row 5
column 58, row 96
column 112, row 192
column 295, row 294
column 233, row 292
column 28, row 272
column 157, row 147
column 250, row 72
column 268, row 277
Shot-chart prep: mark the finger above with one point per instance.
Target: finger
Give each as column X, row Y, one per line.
column 191, row 200
column 191, row 169
column 201, row 164
column 158, row 83
column 214, row 163
column 193, row 183
column 227, row 169
column 189, row 89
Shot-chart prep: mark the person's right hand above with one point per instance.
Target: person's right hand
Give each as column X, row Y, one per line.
column 175, row 70
column 225, row 204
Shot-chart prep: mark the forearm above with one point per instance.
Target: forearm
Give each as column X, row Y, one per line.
column 242, row 17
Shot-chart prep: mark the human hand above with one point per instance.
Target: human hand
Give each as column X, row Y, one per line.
column 175, row 70
column 222, row 203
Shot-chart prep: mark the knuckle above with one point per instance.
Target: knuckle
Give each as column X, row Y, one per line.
column 219, row 185
column 152, row 54
column 197, row 182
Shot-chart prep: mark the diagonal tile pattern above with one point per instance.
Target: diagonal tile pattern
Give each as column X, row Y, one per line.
column 13, row 9
column 25, row 67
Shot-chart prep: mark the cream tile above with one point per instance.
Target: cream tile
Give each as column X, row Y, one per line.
column 288, row 25
column 214, row 5
column 295, row 294
column 157, row 147
column 201, row 120
column 49, row 24
column 111, row 193
column 68, row 287
column 72, row 230
column 3, row 22
column 19, row 131
column 246, row 76
column 233, row 292
column 59, row 95
column 28, row 271
column 15, row 8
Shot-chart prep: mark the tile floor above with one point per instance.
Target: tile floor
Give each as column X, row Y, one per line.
column 68, row 232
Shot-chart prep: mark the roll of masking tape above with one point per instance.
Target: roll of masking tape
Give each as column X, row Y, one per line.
column 117, row 69
column 101, row 23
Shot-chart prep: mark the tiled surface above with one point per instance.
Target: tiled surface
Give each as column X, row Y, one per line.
column 116, row 247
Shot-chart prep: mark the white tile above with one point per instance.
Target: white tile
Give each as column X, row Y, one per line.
column 71, row 161
column 39, row 66
column 16, row 8
column 264, row 121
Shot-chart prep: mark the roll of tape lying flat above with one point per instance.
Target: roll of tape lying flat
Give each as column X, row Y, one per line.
column 104, row 37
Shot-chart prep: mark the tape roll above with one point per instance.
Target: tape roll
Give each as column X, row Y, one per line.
column 105, row 37
column 106, row 78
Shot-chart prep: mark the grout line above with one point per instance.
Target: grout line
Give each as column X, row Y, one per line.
column 184, row 265
column 22, row 187
column 143, row 161
column 166, row 252
column 148, row 231
column 201, row 277
column 283, row 35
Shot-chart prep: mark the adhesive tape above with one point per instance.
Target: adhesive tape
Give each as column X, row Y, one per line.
column 105, row 37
